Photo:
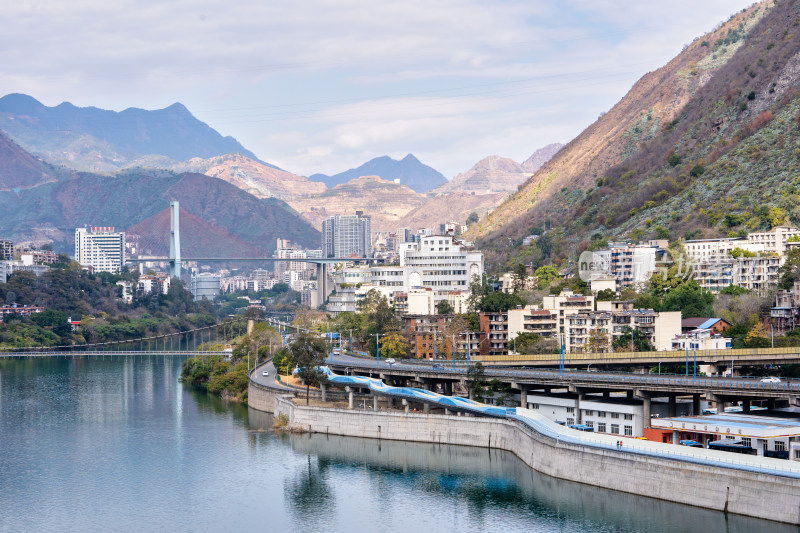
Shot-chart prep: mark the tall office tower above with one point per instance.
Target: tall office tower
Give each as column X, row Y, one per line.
column 347, row 236
column 100, row 248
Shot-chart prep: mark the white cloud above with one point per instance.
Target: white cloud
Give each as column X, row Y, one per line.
column 323, row 85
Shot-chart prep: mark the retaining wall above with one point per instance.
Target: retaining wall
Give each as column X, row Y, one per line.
column 752, row 494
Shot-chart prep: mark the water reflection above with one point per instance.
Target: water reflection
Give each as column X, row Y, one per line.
column 489, row 483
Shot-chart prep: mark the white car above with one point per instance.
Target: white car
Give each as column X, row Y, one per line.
column 265, row 373
column 771, row 380
column 390, row 361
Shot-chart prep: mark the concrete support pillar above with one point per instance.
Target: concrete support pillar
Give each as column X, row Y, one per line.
column 578, row 412
column 523, row 397
column 760, row 447
column 629, row 394
column 349, row 397
column 646, row 411
column 426, row 408
column 696, row 404
column 746, row 406
column 405, row 405
column 675, row 436
column 672, row 408
column 375, row 403
column 771, row 403
column 324, row 391
column 606, row 394
column 447, row 412
column 448, row 388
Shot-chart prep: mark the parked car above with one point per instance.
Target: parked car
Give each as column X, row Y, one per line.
column 265, row 373
column 771, row 379
column 390, row 361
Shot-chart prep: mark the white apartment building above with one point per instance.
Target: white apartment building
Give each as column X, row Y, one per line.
column 774, row 241
column 531, row 319
column 710, row 250
column 588, row 331
column 701, row 339
column 100, row 248
column 657, row 327
column 439, row 263
column 205, row 286
column 565, row 304
column 630, row 264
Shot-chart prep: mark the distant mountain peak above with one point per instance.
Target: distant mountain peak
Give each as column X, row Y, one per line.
column 410, row 171
column 90, row 138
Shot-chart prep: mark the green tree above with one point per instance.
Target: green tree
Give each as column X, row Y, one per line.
column 443, row 307
column 495, row 302
column 472, row 218
column 640, row 343
column 476, row 381
column 606, row 295
column 790, row 271
column 394, row 345
column 308, row 351
column 546, row 275
column 520, row 275
column 690, row 299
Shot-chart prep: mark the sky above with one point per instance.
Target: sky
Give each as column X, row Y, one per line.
column 324, row 86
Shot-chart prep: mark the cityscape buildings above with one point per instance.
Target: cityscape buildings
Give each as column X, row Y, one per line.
column 347, row 236
column 100, row 248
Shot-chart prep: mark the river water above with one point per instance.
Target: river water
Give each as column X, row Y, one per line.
column 117, row 444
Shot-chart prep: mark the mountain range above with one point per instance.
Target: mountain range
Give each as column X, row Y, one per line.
column 40, row 203
column 409, row 171
column 92, row 139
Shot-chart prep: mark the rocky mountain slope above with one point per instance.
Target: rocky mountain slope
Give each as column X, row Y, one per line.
column 492, row 174
column 21, row 170
column 684, row 138
column 456, row 206
column 541, row 156
column 409, row 170
column 48, row 210
column 259, row 179
column 387, row 202
column 100, row 140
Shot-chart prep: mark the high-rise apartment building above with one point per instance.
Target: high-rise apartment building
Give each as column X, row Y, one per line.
column 347, row 236
column 100, row 248
column 6, row 250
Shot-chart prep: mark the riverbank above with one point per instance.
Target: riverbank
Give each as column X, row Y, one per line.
column 754, row 494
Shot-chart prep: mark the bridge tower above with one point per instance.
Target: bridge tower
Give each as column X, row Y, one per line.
column 174, row 240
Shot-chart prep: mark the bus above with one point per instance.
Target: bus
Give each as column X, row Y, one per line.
column 731, row 445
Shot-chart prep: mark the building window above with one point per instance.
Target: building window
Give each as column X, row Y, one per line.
column 615, row 429
column 589, row 424
column 746, row 441
column 588, row 413
column 628, row 416
column 570, row 409
column 780, row 446
column 601, row 414
column 601, row 427
column 570, row 421
column 534, row 405
column 614, row 415
column 629, row 431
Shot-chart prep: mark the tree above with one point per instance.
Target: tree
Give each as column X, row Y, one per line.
column 640, row 343
column 495, row 302
column 476, row 381
column 598, row 341
column 478, row 289
column 606, row 295
column 690, row 299
column 530, row 343
column 394, row 345
column 309, row 352
column 520, row 275
column 472, row 218
column 443, row 307
column 790, row 271
column 545, row 275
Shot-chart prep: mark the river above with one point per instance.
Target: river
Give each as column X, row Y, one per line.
column 118, row 444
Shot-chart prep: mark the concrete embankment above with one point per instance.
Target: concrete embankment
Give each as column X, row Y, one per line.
column 753, row 494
